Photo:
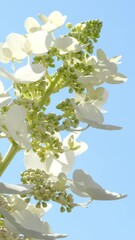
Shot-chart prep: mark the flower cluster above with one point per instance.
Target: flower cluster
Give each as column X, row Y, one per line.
column 64, row 63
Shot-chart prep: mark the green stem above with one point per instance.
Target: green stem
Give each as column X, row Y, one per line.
column 14, row 148
column 48, row 92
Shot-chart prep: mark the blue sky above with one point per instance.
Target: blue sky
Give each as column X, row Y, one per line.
column 111, row 157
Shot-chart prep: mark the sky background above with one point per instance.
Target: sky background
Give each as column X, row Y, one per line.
column 110, row 158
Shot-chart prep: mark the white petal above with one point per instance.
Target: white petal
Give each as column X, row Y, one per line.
column 101, row 55
column 17, row 126
column 53, row 21
column 67, row 44
column 16, row 43
column 57, row 18
column 4, row 99
column 29, row 73
column 84, row 183
column 3, row 59
column 7, row 188
column 31, row 25
column 25, row 74
column 104, row 126
column 82, row 148
column 86, row 112
column 7, row 53
column 116, row 79
column 32, row 160
column 67, row 161
column 43, row 18
column 116, row 59
column 1, row 87
column 90, row 79
column 52, row 165
column 40, row 42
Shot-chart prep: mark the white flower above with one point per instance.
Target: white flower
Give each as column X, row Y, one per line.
column 67, row 44
column 23, row 218
column 13, row 48
column 15, row 122
column 53, row 21
column 26, row 74
column 30, row 225
column 111, row 65
column 31, row 25
column 104, row 70
column 17, row 203
column 84, row 186
column 88, row 112
column 97, row 97
column 53, row 165
column 50, row 23
column 7, row 188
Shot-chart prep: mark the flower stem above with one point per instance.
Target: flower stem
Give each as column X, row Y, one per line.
column 48, row 92
column 13, row 149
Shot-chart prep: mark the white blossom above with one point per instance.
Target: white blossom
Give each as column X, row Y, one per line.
column 67, row 44
column 13, row 48
column 31, row 25
column 30, row 225
column 84, row 186
column 86, row 111
column 53, row 21
column 26, row 74
column 104, row 70
column 50, row 23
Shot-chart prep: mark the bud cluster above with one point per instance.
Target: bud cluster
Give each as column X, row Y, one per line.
column 69, row 118
column 85, row 32
column 48, row 188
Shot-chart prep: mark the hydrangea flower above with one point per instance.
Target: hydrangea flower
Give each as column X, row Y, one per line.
column 91, row 112
column 13, row 48
column 104, row 70
column 53, row 21
column 84, row 186
column 50, row 23
column 67, row 44
column 30, row 225
column 26, row 74
column 23, row 218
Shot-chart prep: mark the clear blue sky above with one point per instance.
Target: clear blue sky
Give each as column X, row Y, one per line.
column 111, row 155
